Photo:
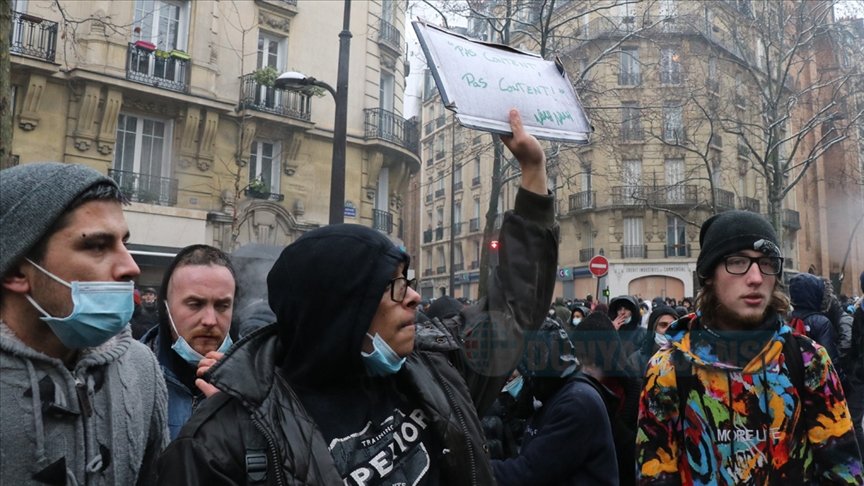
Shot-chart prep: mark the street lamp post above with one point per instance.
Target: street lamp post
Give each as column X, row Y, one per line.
column 298, row 81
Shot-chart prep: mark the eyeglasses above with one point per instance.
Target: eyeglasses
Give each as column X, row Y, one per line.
column 739, row 264
column 399, row 287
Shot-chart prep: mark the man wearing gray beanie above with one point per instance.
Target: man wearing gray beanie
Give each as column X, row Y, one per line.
column 725, row 400
column 81, row 402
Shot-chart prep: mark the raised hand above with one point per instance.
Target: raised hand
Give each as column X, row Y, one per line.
column 529, row 153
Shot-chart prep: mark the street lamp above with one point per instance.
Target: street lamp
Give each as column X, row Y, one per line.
column 293, row 80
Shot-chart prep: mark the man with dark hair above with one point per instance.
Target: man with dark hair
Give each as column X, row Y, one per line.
column 735, row 398
column 81, row 402
column 196, row 303
column 346, row 387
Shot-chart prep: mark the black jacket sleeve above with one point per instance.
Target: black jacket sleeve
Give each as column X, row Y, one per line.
column 520, row 288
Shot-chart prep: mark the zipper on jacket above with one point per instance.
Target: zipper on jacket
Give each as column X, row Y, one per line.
column 272, row 451
column 83, row 397
column 459, row 415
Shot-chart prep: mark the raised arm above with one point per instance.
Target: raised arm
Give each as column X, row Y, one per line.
column 529, row 153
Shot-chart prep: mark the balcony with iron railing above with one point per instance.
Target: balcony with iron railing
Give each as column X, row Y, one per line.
column 583, row 200
column 748, row 204
column 724, row 199
column 439, row 193
column 389, row 36
column 382, row 221
column 439, row 233
column 457, row 186
column 33, row 36
column 427, row 235
column 145, row 188
column 673, row 195
column 441, row 269
column 267, row 99
column 791, row 219
column 585, row 254
column 628, row 195
column 634, row 251
column 162, row 69
column 392, row 127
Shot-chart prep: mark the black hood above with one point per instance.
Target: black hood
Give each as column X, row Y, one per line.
column 324, row 289
column 629, row 302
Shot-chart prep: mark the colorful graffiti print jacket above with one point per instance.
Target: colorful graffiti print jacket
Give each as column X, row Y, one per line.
column 745, row 422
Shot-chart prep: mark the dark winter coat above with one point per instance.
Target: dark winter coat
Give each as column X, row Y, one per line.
column 632, row 334
column 568, row 441
column 808, row 295
column 287, row 387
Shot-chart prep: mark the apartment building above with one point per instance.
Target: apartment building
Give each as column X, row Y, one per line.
column 174, row 99
column 679, row 94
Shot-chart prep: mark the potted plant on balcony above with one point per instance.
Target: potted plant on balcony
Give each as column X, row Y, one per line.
column 181, row 55
column 265, row 76
column 257, row 188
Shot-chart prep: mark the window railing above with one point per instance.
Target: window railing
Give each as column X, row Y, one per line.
column 629, row 79
column 389, row 126
column 628, row 195
column 475, row 265
column 629, row 134
column 475, row 181
column 441, row 269
column 748, row 204
column 258, row 97
column 267, row 196
column 439, row 233
column 585, row 254
column 457, row 228
column 677, row 250
column 458, row 267
column 583, row 200
column 439, row 193
column 389, row 36
column 382, row 221
column 162, row 69
column 633, row 251
column 791, row 219
column 146, row 188
column 474, row 225
column 724, row 199
column 428, row 198
column 33, row 36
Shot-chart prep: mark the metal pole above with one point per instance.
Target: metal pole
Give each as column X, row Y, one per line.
column 452, row 204
column 340, row 125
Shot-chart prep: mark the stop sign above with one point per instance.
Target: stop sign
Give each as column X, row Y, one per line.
column 598, row 266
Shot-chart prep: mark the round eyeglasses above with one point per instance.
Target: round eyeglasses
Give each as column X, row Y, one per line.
column 740, row 264
column 399, row 288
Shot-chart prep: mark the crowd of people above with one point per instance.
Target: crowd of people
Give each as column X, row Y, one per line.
column 356, row 381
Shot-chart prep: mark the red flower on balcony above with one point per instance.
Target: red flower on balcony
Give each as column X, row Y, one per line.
column 147, row 46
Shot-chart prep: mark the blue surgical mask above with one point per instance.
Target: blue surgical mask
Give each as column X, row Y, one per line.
column 514, row 386
column 576, row 321
column 100, row 310
column 182, row 348
column 382, row 360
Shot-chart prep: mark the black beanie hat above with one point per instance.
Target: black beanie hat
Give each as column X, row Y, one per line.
column 731, row 231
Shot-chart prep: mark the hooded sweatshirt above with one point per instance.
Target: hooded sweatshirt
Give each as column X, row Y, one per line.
column 745, row 422
column 303, row 381
column 100, row 423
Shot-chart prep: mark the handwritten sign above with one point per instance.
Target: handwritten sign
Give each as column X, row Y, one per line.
column 481, row 81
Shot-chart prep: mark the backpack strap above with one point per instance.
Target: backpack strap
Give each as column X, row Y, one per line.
column 256, row 454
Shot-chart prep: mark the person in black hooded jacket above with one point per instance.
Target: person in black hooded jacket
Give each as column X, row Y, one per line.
column 345, row 388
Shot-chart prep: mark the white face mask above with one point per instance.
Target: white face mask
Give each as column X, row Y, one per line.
column 576, row 321
column 661, row 339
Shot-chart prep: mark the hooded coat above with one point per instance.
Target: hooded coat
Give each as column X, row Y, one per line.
column 639, row 359
column 299, row 390
column 745, row 422
column 100, row 423
column 632, row 333
column 808, row 298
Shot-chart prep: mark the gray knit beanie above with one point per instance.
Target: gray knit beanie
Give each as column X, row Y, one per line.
column 32, row 198
column 732, row 231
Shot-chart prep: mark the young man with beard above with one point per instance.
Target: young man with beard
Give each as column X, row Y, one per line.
column 81, row 402
column 195, row 306
column 722, row 404
column 345, row 387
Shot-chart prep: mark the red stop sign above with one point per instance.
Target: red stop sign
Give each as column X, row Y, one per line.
column 598, row 266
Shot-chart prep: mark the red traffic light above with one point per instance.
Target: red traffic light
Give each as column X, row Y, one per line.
column 493, row 245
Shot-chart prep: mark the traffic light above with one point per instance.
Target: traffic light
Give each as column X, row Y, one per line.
column 606, row 292
column 493, row 245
